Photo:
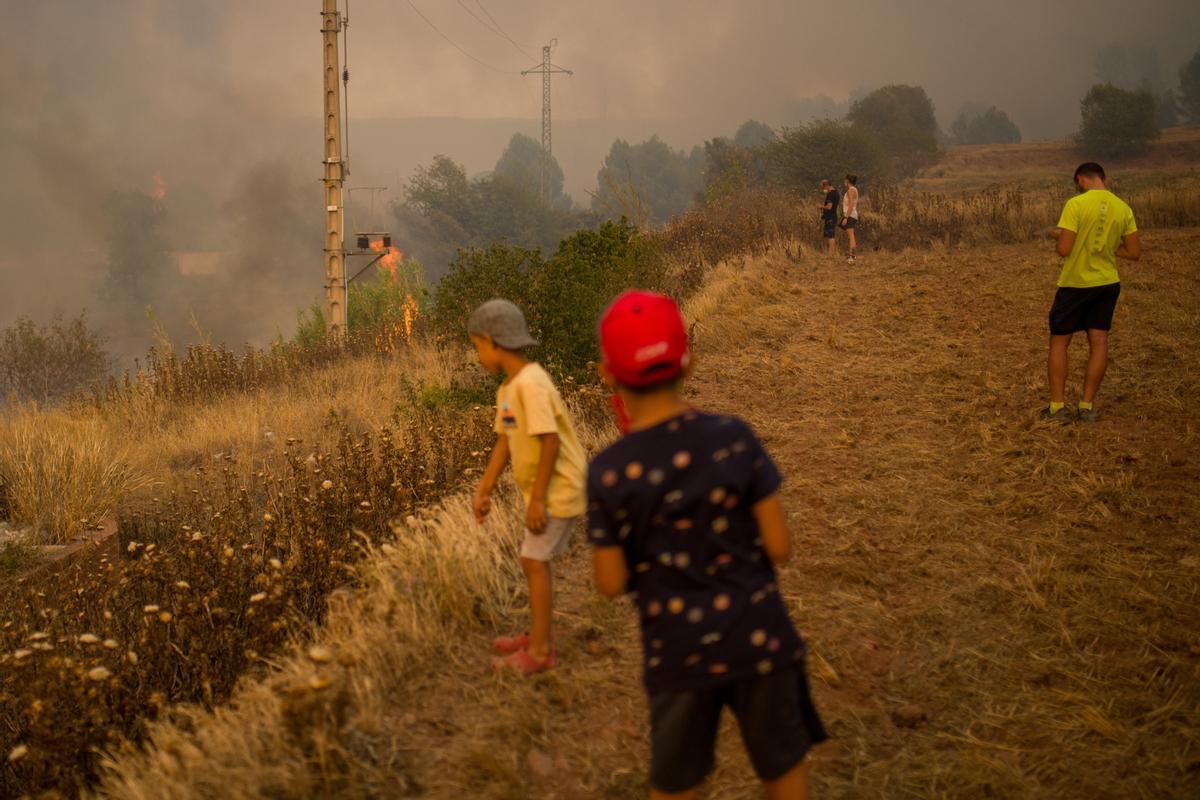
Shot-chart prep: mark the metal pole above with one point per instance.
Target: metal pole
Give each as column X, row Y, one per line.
column 334, row 169
column 546, row 133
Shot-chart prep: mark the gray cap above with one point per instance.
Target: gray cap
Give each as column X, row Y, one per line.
column 504, row 322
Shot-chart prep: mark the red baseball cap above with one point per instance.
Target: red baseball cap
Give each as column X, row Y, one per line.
column 643, row 339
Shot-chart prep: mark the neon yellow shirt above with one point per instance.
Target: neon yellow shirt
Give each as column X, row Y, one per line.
column 1099, row 219
column 527, row 406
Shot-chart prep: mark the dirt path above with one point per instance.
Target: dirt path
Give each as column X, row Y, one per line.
column 996, row 607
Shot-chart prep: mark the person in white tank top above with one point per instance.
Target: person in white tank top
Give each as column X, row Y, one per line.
column 850, row 213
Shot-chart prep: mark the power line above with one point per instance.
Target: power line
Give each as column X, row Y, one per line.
column 456, row 46
column 503, row 33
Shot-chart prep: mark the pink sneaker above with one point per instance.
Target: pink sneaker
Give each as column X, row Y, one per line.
column 524, row 663
column 511, row 644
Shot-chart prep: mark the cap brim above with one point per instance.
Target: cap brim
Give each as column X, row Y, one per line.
column 516, row 342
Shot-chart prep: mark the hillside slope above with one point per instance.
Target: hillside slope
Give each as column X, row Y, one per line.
column 1174, row 157
column 994, row 606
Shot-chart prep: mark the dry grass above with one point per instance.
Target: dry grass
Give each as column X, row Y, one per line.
column 61, row 474
column 1032, row 589
column 327, row 722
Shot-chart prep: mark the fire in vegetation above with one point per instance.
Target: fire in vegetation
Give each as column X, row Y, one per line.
column 401, row 329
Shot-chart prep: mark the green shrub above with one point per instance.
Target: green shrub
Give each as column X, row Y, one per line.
column 1116, row 122
column 561, row 296
column 824, row 149
column 50, row 362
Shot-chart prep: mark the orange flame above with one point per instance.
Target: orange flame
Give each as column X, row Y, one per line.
column 160, row 186
column 391, row 261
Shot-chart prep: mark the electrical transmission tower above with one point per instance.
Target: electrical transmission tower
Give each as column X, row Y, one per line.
column 546, row 69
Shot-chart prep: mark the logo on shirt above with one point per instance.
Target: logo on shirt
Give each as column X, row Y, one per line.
column 507, row 418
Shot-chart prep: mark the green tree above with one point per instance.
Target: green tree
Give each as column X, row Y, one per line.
column 140, row 265
column 990, row 126
column 442, row 187
column 1189, row 90
column 902, row 119
column 753, row 133
column 1166, row 113
column 824, row 149
column 1116, row 122
column 521, row 163
column 648, row 182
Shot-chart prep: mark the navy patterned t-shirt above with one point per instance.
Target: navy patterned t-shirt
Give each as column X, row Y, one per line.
column 678, row 498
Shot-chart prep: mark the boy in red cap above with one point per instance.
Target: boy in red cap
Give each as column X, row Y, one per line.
column 684, row 513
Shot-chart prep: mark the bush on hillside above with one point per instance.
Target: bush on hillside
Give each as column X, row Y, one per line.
column 902, row 119
column 648, row 182
column 825, row 149
column 1116, row 122
column 1189, row 90
column 561, row 296
column 44, row 363
column 988, row 127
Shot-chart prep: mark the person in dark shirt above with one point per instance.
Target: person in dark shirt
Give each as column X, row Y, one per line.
column 684, row 514
column 829, row 216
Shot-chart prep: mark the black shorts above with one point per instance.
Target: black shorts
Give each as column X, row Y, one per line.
column 775, row 713
column 1081, row 309
column 829, row 227
column 848, row 223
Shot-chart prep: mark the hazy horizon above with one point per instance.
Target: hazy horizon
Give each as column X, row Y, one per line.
column 222, row 100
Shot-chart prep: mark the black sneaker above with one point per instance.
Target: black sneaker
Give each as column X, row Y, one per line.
column 1062, row 416
column 1087, row 415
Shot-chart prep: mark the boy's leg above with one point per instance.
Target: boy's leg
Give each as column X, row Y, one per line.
column 792, row 786
column 1057, row 366
column 541, row 604
column 1097, row 363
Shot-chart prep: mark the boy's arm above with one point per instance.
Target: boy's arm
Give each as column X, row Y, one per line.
column 1131, row 247
column 491, row 476
column 772, row 527
column 611, row 571
column 535, row 515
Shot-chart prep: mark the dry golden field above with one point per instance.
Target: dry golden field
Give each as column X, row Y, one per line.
column 995, row 607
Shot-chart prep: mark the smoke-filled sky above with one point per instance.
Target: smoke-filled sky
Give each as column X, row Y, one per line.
column 221, row 97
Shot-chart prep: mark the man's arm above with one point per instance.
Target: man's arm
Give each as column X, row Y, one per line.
column 611, row 571
column 772, row 527
column 1131, row 247
column 1066, row 240
column 535, row 515
column 491, row 476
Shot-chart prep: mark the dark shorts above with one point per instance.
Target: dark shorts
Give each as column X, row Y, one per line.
column 775, row 713
column 1081, row 309
column 829, row 227
column 848, row 223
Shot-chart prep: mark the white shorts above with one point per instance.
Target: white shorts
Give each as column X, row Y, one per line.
column 551, row 542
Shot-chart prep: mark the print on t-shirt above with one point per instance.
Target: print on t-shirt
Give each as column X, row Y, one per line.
column 678, row 498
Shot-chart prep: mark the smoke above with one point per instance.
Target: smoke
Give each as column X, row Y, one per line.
column 221, row 99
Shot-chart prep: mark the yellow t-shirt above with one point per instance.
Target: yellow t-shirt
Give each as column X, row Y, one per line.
column 528, row 404
column 1099, row 219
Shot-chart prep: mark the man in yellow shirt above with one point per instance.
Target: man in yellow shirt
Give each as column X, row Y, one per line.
column 1095, row 229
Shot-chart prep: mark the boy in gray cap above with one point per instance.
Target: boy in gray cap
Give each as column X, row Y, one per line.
column 535, row 431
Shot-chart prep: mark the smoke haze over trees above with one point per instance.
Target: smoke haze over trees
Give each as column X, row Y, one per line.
column 221, row 100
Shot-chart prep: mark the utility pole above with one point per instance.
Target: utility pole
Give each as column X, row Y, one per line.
column 335, row 250
column 546, row 69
